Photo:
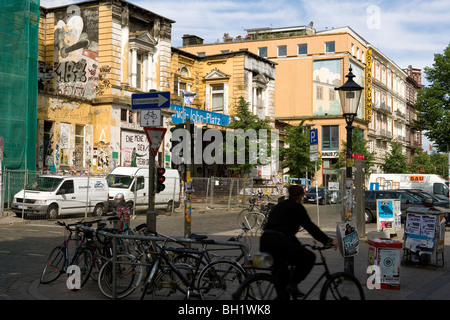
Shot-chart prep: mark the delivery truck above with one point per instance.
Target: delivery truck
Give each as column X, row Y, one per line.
column 129, row 186
column 431, row 183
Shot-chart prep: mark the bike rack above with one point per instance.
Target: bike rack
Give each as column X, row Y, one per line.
column 233, row 245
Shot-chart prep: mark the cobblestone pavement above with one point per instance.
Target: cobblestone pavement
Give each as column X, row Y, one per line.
column 24, row 246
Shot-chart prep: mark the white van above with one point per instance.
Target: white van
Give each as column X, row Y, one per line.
column 431, row 183
column 53, row 196
column 122, row 180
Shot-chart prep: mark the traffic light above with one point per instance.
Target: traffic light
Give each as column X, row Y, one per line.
column 160, row 179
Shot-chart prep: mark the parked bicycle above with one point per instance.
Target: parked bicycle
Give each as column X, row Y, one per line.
column 60, row 259
column 337, row 286
column 167, row 279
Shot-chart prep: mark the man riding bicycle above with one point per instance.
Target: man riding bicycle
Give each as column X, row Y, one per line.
column 279, row 239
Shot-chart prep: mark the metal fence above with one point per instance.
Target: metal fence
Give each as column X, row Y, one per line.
column 209, row 193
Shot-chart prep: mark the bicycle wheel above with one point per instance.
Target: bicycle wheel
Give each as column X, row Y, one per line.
column 127, row 277
column 168, row 286
column 260, row 286
column 85, row 261
column 342, row 286
column 241, row 218
column 256, row 221
column 54, row 265
column 219, row 279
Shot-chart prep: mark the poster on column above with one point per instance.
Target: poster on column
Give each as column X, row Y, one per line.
column 134, row 149
column 347, row 238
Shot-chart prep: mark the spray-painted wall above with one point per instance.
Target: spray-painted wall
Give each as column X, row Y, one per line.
column 84, row 82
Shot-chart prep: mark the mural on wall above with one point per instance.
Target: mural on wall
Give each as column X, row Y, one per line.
column 326, row 76
column 76, row 51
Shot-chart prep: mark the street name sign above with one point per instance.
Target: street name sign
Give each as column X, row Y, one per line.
column 151, row 100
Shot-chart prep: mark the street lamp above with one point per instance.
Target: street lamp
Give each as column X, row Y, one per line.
column 350, row 95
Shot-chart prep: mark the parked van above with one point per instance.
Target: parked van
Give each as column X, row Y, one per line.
column 53, row 196
column 431, row 183
column 133, row 182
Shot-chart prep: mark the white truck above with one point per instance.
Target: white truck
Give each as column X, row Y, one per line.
column 132, row 183
column 53, row 196
column 431, row 183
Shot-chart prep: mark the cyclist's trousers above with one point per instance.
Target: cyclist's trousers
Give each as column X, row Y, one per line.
column 287, row 251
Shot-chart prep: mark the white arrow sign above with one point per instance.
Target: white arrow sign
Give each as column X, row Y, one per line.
column 150, row 100
column 160, row 100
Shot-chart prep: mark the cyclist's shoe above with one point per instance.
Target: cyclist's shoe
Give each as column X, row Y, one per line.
column 294, row 292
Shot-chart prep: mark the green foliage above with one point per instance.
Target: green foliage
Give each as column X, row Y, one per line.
column 395, row 160
column 421, row 163
column 244, row 119
column 359, row 146
column 433, row 102
column 295, row 154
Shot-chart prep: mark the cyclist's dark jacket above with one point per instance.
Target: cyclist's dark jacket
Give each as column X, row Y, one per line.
column 288, row 216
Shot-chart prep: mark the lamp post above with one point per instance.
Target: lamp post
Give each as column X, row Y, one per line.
column 349, row 95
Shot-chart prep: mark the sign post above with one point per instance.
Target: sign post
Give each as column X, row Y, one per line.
column 314, row 156
column 151, row 104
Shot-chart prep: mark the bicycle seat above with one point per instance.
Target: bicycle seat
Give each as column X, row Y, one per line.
column 198, row 236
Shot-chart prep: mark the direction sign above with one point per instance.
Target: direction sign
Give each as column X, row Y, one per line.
column 151, row 100
column 313, row 136
column 151, row 118
column 155, row 137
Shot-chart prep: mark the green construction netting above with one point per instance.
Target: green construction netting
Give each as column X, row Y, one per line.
column 19, row 24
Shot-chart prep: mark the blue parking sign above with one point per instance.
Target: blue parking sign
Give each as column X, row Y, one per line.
column 313, row 137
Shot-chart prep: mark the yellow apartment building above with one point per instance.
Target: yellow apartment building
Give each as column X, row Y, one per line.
column 219, row 80
column 309, row 66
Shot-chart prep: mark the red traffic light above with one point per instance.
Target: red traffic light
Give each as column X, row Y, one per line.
column 160, row 179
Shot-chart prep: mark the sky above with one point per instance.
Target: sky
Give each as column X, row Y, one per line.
column 407, row 32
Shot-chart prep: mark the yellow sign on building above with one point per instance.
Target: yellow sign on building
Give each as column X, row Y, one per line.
column 369, row 92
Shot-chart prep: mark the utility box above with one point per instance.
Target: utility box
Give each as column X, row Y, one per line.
column 384, row 262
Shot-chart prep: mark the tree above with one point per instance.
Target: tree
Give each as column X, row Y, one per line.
column 245, row 121
column 295, row 154
column 358, row 147
column 433, row 102
column 395, row 160
column 440, row 162
column 421, row 163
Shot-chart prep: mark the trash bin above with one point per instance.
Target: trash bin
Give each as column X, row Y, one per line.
column 384, row 263
column 424, row 235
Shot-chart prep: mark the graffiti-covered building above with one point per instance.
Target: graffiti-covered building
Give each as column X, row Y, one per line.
column 93, row 56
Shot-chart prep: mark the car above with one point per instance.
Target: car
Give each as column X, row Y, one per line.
column 437, row 201
column 324, row 196
column 407, row 198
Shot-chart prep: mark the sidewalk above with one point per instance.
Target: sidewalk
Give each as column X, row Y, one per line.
column 415, row 283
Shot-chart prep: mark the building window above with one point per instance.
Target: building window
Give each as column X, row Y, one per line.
column 79, row 146
column 224, row 51
column 302, row 48
column 282, row 51
column 139, row 69
column 123, row 114
column 330, row 137
column 201, row 54
column 217, row 97
column 319, row 93
column 329, row 46
column 331, row 96
column 262, row 52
